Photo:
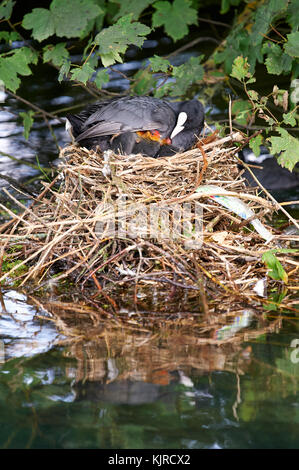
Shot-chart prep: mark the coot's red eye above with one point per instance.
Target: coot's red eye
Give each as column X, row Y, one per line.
column 156, row 133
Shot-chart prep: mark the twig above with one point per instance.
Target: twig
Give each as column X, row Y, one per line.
column 34, row 106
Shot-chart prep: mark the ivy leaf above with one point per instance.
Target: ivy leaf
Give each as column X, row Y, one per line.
column 287, row 146
column 27, row 122
column 102, row 77
column 131, row 6
column 82, row 74
column 45, row 23
column 159, row 64
column 289, row 119
column 273, row 264
column 240, row 69
column 115, row 40
column 292, row 46
column 6, row 9
column 255, row 144
column 56, row 54
column 16, row 64
column 174, row 17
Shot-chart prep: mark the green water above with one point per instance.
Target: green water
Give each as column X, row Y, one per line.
column 139, row 391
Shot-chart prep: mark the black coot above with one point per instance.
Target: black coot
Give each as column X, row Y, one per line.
column 141, row 124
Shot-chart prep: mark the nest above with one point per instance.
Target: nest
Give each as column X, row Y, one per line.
column 111, row 220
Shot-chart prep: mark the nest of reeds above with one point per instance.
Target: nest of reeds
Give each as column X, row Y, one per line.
column 111, row 220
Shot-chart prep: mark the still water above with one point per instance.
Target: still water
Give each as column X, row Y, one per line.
column 132, row 387
column 69, row 382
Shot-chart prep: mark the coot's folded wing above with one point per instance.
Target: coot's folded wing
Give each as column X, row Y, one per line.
column 111, row 128
column 129, row 115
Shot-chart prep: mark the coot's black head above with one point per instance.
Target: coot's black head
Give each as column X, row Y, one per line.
column 195, row 113
column 192, row 126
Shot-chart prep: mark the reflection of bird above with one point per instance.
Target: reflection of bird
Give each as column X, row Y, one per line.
column 137, row 125
column 271, row 175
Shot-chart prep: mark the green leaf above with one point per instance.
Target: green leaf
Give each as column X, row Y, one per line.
column 64, row 70
column 186, row 74
column 56, row 54
column 9, row 37
column 255, row 144
column 277, row 62
column 253, row 95
column 72, row 16
column 102, row 77
column 289, row 119
column 164, row 90
column 82, row 74
column 115, row 40
column 292, row 46
column 144, row 82
column 175, row 17
column 240, row 69
column 273, row 264
column 111, row 58
column 158, row 64
column 6, row 9
column 293, row 14
column 275, row 299
column 226, row 4
column 16, row 64
column 265, row 15
column 41, row 21
column 250, row 80
column 237, row 43
column 131, row 6
column 287, row 146
column 27, row 122
column 241, row 109
column 65, row 18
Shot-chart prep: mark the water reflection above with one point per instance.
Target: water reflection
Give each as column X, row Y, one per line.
column 121, row 383
column 22, row 334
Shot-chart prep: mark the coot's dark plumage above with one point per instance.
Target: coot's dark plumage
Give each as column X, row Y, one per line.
column 194, row 123
column 138, row 124
column 271, row 175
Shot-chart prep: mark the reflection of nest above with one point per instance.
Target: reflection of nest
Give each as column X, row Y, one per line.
column 149, row 347
column 86, row 229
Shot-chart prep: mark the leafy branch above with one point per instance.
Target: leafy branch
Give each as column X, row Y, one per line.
column 284, row 145
column 262, row 32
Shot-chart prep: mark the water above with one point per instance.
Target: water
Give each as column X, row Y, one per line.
column 66, row 383
column 126, row 389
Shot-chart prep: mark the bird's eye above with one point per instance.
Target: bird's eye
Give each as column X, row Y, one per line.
column 155, row 133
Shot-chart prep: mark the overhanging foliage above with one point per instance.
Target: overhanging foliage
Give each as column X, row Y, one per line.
column 261, row 32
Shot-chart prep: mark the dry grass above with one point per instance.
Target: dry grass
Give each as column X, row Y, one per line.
column 63, row 231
